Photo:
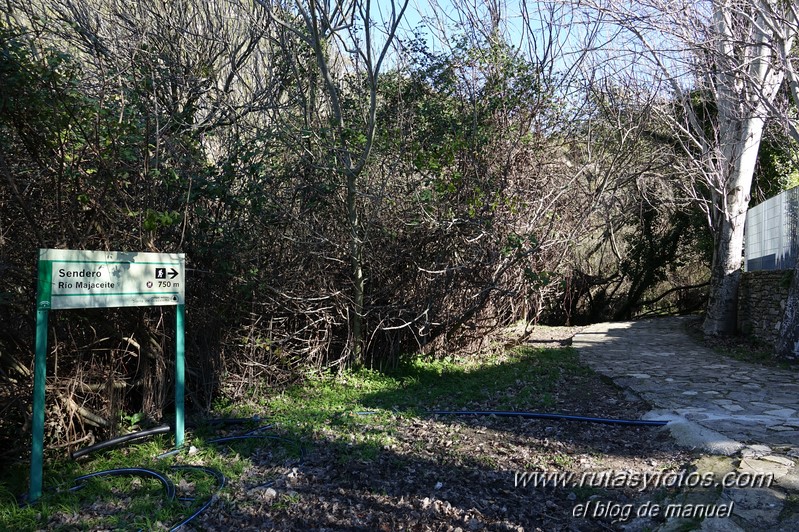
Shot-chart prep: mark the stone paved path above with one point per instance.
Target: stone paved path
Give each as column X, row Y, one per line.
column 659, row 361
column 728, row 407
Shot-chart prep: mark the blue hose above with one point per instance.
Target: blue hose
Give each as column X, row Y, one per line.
column 565, row 417
column 537, row 415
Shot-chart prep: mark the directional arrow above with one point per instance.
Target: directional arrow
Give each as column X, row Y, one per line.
column 173, row 273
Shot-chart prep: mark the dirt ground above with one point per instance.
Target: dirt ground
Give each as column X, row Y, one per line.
column 462, row 473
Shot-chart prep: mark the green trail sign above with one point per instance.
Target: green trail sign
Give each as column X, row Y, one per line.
column 94, row 279
column 72, row 279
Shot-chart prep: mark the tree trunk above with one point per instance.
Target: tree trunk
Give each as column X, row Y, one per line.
column 788, row 341
column 746, row 84
column 740, row 154
column 721, row 318
column 356, row 263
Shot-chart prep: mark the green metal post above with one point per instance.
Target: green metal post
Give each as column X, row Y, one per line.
column 39, row 379
column 180, row 373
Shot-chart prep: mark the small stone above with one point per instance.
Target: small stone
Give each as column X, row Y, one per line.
column 779, row 460
column 790, row 481
column 780, row 428
column 438, row 486
column 572, row 496
column 782, row 412
column 732, row 407
column 724, row 524
column 717, row 465
column 759, row 450
column 762, row 466
column 758, row 506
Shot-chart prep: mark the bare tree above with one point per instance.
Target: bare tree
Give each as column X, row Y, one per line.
column 349, row 40
column 722, row 62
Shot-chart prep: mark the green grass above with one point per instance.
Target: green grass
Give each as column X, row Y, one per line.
column 354, row 413
column 755, row 353
column 125, row 502
column 523, row 379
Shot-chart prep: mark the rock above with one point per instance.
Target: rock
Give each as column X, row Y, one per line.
column 718, row 465
column 757, row 506
column 781, row 412
column 758, row 467
column 755, row 451
column 724, row 524
column 779, row 460
column 475, row 524
column 789, row 481
column 789, row 524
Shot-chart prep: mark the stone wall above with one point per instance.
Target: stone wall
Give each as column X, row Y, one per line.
column 761, row 303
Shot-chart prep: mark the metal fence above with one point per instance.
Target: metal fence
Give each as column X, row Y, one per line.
column 772, row 233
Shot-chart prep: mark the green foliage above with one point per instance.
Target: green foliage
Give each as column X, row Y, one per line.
column 146, row 135
column 131, row 421
column 39, row 95
column 777, row 166
column 154, row 220
column 455, row 106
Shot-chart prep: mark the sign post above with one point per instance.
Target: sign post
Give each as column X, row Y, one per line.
column 70, row 279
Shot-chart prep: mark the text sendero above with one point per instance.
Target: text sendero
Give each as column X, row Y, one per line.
column 79, row 273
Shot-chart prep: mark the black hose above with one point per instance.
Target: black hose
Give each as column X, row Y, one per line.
column 260, row 429
column 218, row 475
column 163, row 429
column 536, row 415
column 226, row 421
column 168, row 453
column 169, row 487
column 220, row 483
column 234, row 421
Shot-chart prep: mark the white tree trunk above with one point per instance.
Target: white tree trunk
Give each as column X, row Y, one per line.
column 745, row 84
column 741, row 156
